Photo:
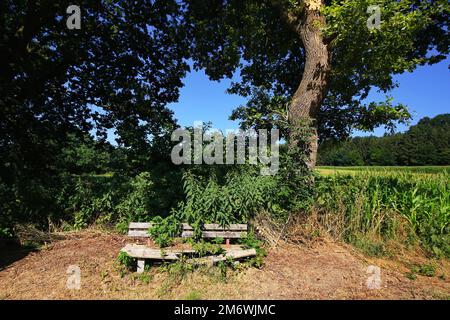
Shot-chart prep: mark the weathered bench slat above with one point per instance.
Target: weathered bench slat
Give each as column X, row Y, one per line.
column 235, row 254
column 140, row 225
column 138, row 233
column 143, row 252
column 211, row 230
column 216, row 234
column 215, row 226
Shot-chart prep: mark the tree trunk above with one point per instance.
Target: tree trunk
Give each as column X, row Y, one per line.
column 309, row 95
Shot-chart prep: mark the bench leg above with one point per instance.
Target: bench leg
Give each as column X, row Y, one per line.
column 140, row 265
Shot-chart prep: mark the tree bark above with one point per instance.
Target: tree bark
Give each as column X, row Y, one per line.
column 309, row 95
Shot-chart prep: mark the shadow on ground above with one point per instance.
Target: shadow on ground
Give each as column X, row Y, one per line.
column 11, row 252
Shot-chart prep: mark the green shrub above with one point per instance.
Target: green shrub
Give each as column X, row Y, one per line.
column 135, row 205
column 5, row 233
column 427, row 270
column 6, row 211
column 205, row 248
column 164, row 230
column 251, row 242
column 125, row 260
column 234, row 200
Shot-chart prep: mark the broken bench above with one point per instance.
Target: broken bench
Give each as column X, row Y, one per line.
column 142, row 252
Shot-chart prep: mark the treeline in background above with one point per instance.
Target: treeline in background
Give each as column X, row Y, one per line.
column 427, row 143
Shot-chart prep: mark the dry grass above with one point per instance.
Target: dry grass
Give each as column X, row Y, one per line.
column 321, row 270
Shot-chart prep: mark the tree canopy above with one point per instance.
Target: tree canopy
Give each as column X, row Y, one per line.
column 118, row 71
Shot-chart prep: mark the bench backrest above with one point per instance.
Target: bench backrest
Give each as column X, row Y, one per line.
column 210, row 230
column 139, row 229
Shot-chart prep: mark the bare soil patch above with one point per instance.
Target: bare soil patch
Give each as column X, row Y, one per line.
column 325, row 270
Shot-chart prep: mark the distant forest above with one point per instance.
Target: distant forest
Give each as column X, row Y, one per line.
column 427, row 143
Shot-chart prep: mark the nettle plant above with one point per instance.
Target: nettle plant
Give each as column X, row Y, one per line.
column 164, row 230
column 234, row 201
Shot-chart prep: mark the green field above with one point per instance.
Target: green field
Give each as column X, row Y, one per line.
column 327, row 170
column 386, row 203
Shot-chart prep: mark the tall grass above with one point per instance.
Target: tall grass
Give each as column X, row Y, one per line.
column 387, row 206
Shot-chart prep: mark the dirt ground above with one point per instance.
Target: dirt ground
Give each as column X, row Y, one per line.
column 325, row 270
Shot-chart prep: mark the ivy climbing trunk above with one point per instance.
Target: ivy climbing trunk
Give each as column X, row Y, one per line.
column 309, row 95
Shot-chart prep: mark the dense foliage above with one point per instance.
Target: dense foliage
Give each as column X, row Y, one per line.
column 61, row 86
column 427, row 143
column 101, row 188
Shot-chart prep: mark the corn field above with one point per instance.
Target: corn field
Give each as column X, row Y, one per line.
column 387, row 206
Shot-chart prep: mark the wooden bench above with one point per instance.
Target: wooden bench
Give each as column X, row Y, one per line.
column 142, row 252
column 210, row 230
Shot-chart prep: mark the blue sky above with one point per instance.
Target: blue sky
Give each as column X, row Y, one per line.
column 426, row 91
column 204, row 100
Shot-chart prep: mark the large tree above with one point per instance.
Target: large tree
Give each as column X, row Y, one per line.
column 320, row 57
